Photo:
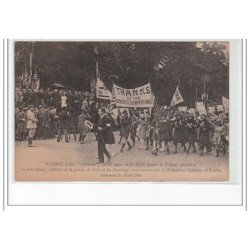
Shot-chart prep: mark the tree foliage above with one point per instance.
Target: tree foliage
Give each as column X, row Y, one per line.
column 132, row 64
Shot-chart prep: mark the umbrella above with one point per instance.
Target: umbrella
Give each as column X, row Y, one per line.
column 58, row 86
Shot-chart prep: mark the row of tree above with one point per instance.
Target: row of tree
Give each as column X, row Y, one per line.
column 192, row 65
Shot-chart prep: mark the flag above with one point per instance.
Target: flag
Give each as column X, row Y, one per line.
column 97, row 66
column 177, row 97
column 101, row 91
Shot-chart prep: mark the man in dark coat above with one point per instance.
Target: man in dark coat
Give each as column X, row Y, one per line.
column 102, row 126
column 134, row 126
column 56, row 99
column 52, row 116
column 63, row 124
column 75, row 102
column 84, row 116
column 93, row 111
column 40, row 97
column 109, row 137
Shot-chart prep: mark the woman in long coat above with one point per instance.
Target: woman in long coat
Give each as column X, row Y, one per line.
column 109, row 137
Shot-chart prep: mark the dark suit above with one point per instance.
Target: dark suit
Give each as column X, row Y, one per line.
column 100, row 138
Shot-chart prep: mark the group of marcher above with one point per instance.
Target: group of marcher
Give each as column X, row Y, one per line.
column 159, row 129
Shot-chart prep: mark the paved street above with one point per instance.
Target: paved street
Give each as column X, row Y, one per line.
column 51, row 160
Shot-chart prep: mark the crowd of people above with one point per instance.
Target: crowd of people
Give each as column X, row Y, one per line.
column 52, row 114
column 167, row 126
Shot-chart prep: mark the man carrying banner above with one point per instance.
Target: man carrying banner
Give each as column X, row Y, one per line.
column 63, row 124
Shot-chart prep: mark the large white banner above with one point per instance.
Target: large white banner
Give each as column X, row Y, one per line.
column 138, row 97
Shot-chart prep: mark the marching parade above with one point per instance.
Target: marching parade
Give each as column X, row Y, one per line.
column 48, row 115
column 125, row 117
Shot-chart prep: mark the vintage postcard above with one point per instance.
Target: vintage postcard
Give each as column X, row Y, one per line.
column 121, row 111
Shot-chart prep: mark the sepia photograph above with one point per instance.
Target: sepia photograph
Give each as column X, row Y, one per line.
column 121, row 111
column 124, row 125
